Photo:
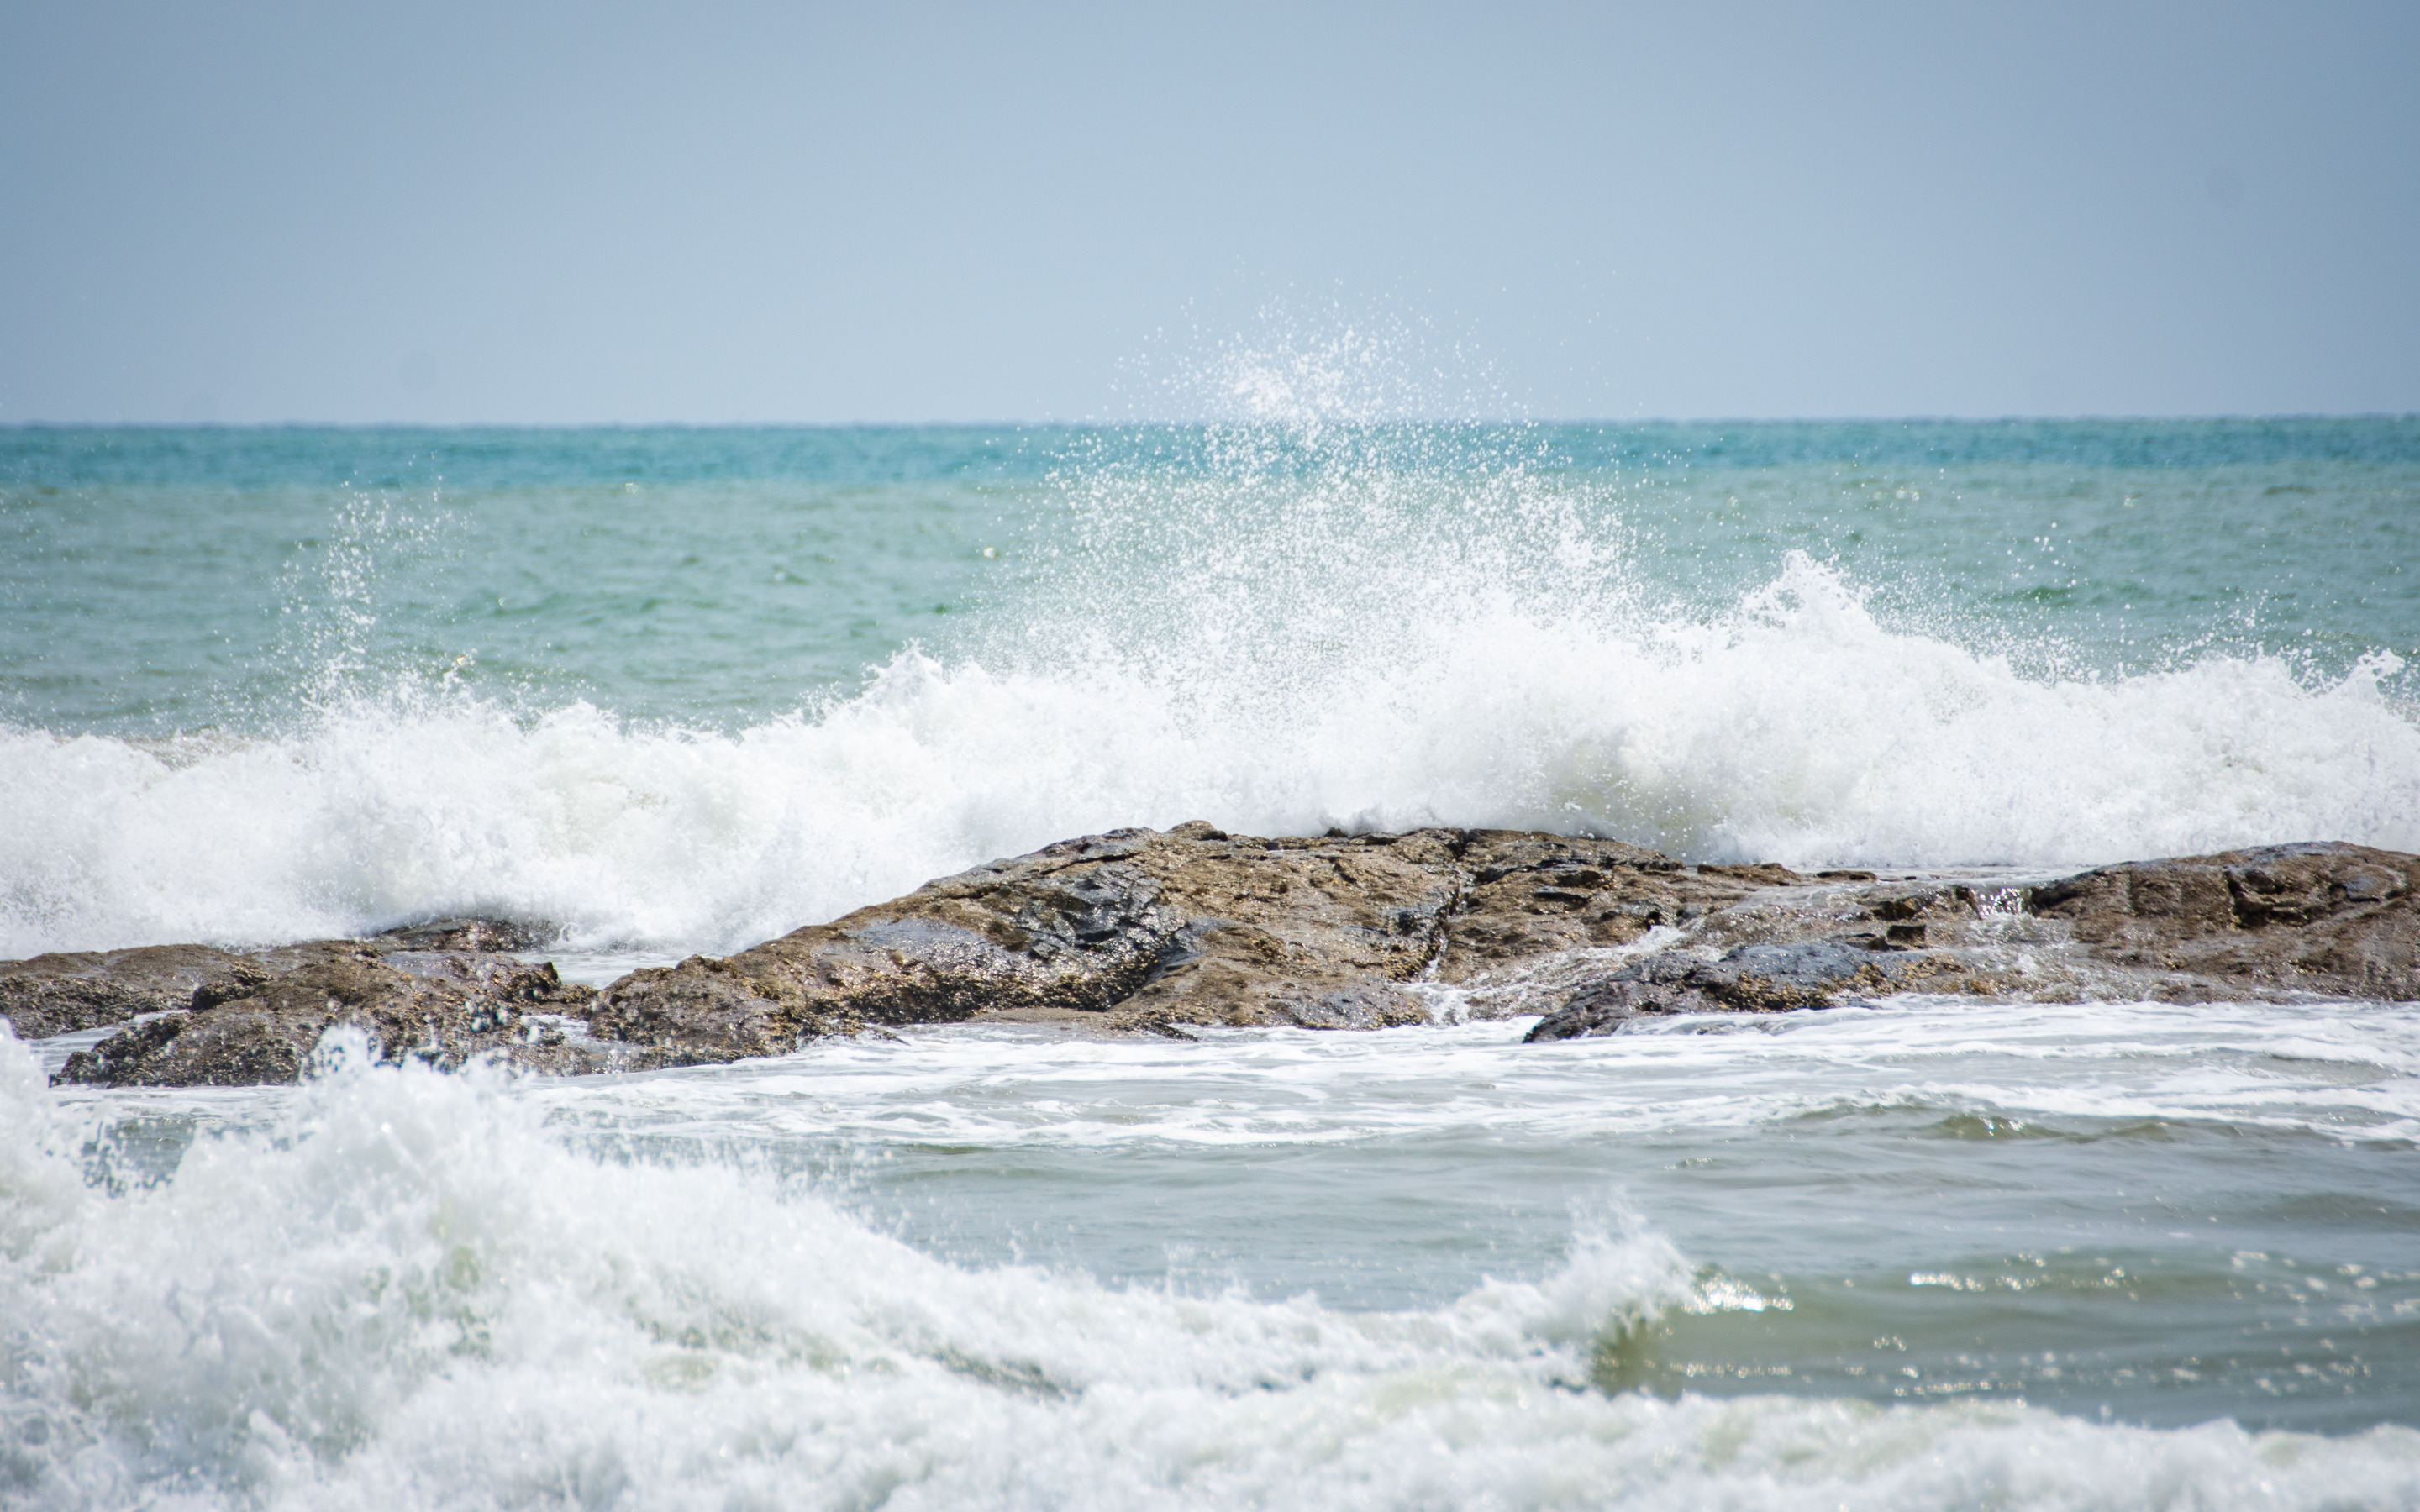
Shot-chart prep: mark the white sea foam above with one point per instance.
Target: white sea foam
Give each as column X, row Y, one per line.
column 1317, row 621
column 406, row 1293
column 1796, row 727
column 2349, row 1072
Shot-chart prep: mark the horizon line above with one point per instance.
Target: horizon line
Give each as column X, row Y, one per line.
column 1096, row 423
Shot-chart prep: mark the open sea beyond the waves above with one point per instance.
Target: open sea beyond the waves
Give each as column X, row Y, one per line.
column 666, row 691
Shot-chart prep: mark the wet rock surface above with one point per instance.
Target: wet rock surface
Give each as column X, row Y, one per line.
column 1188, row 927
column 2280, row 922
column 442, row 994
column 1163, row 932
column 1531, row 895
column 63, row 993
column 2330, row 918
column 1752, row 978
column 1167, row 933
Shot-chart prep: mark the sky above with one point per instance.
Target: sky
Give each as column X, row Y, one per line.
column 504, row 212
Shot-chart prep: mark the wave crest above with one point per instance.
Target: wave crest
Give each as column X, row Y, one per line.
column 405, row 1292
column 1795, row 728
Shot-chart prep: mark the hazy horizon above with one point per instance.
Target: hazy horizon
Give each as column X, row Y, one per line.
column 1155, row 421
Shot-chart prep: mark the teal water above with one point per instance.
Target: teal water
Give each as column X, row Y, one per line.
column 163, row 581
column 666, row 691
column 167, row 580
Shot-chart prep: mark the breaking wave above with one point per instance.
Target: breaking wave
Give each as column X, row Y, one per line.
column 1278, row 627
column 1796, row 727
column 403, row 1290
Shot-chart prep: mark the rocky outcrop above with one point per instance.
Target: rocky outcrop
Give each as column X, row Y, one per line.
column 1164, row 931
column 435, row 992
column 1143, row 931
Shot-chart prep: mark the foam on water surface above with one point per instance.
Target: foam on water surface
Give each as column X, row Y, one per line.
column 1796, row 729
column 2342, row 1071
column 404, row 1291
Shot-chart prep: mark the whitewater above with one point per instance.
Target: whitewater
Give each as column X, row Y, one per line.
column 1798, row 730
column 1280, row 630
column 403, row 1289
column 656, row 693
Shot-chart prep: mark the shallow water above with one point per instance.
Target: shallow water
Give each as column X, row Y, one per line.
column 680, row 691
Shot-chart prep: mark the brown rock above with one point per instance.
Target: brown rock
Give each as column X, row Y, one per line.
column 1188, row 927
column 2275, row 922
column 1137, row 930
column 62, row 993
column 2325, row 917
column 1531, row 894
column 65, row 991
column 260, row 1023
column 1192, row 927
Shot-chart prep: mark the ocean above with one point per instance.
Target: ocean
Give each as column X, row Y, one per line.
column 666, row 691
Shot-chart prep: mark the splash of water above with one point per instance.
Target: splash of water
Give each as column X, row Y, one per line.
column 1279, row 628
column 1310, row 612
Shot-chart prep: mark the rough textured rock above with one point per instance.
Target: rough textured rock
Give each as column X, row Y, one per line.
column 1139, row 929
column 1531, row 894
column 1750, row 978
column 1190, row 927
column 438, row 992
column 2281, row 921
column 70, row 991
column 63, row 993
column 262, row 1025
column 2326, row 917
column 1195, row 927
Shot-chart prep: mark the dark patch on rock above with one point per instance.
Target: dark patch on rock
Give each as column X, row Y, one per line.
column 1533, row 894
column 1752, row 978
column 477, row 936
column 1762, row 874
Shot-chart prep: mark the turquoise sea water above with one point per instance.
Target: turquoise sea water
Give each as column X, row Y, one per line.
column 666, row 691
column 163, row 580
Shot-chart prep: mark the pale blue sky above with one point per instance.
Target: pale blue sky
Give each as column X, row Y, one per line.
column 502, row 212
